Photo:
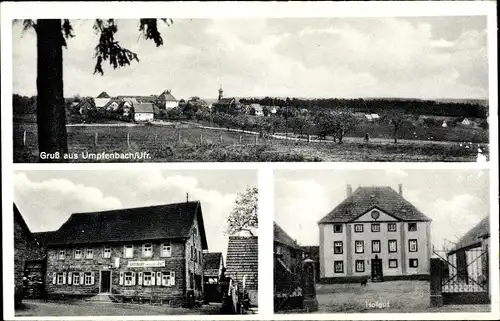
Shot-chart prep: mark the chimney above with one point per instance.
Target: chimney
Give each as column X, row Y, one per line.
column 349, row 190
column 401, row 190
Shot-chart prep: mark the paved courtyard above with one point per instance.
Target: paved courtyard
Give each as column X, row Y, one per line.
column 384, row 297
column 88, row 308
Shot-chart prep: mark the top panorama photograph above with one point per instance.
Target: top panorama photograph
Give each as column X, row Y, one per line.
column 412, row 89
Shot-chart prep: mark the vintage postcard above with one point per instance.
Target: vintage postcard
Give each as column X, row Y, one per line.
column 382, row 241
column 110, row 243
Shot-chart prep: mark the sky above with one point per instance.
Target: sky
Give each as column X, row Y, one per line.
column 455, row 200
column 415, row 57
column 46, row 199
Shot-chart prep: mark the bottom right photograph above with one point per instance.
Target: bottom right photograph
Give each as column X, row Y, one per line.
column 389, row 241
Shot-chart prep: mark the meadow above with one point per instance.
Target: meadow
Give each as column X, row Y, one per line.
column 188, row 143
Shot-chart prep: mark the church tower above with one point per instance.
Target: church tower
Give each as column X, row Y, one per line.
column 220, row 92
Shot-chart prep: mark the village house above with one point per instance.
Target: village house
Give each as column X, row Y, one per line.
column 166, row 100
column 144, row 112
column 213, row 273
column 256, row 110
column 242, row 264
column 29, row 261
column 470, row 255
column 286, row 250
column 375, row 232
column 150, row 253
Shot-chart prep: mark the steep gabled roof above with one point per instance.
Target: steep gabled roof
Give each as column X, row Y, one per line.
column 211, row 263
column 226, row 101
column 171, row 221
column 473, row 237
column 18, row 218
column 103, row 95
column 144, row 108
column 242, row 260
column 366, row 198
column 280, row 236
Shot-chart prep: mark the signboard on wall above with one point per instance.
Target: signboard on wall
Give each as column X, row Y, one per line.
column 142, row 264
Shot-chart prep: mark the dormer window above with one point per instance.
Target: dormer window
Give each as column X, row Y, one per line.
column 337, row 228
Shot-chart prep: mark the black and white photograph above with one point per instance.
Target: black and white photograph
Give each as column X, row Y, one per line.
column 350, row 89
column 382, row 241
column 126, row 243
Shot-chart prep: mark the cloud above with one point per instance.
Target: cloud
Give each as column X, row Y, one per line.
column 338, row 57
column 49, row 203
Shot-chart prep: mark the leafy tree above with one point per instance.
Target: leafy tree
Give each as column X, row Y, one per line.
column 300, row 123
column 243, row 216
column 174, row 113
column 398, row 120
column 343, row 123
column 324, row 123
column 51, row 37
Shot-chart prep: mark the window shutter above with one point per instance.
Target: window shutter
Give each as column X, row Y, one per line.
column 54, row 278
column 172, row 278
column 70, row 277
column 140, row 279
column 158, row 278
column 82, row 278
column 121, row 278
column 153, row 278
column 133, row 278
column 64, row 278
column 92, row 278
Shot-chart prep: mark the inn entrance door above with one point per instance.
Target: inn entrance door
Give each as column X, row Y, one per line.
column 105, row 281
column 377, row 274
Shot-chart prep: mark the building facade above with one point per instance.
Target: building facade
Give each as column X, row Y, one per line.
column 166, row 100
column 150, row 253
column 374, row 233
column 287, row 251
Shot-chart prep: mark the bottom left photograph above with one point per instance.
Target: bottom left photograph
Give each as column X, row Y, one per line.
column 155, row 242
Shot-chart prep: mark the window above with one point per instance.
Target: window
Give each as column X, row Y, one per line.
column 78, row 254
column 147, row 250
column 412, row 227
column 393, row 246
column 148, row 276
column 391, row 227
column 413, row 263
column 166, row 250
column 128, row 278
column 195, row 255
column 107, row 252
column 375, row 246
column 168, row 278
column 88, row 278
column 337, row 247
column 338, row 266
column 76, row 278
column 89, row 253
column 359, row 246
column 375, row 227
column 393, row 263
column 129, row 251
column 62, row 254
column 360, row 265
column 60, row 278
column 337, row 228
column 195, row 233
column 192, row 253
column 358, row 228
column 412, row 245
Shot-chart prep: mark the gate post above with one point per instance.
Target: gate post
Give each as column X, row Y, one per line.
column 436, row 298
column 309, row 286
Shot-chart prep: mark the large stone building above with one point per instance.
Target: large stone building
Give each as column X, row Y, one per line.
column 375, row 232
column 150, row 253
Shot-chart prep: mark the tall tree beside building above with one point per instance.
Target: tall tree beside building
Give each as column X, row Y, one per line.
column 51, row 37
column 244, row 216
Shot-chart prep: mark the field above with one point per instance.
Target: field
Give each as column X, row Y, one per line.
column 192, row 144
